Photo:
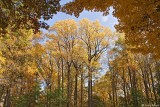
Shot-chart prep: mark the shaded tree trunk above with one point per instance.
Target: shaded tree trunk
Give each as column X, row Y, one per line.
column 89, row 88
column 82, row 82
column 76, row 91
column 124, row 89
column 68, row 85
column 145, row 85
column 7, row 100
column 113, row 88
column 153, row 84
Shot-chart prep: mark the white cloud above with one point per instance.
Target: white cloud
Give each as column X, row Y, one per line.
column 104, row 18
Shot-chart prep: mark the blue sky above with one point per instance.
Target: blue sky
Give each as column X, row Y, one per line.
column 108, row 20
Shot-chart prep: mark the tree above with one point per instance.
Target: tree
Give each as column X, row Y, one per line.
column 17, row 72
column 66, row 32
column 130, row 78
column 139, row 20
column 71, row 38
column 94, row 39
column 26, row 13
column 53, row 69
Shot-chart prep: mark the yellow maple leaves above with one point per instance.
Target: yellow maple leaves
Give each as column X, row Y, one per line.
column 139, row 20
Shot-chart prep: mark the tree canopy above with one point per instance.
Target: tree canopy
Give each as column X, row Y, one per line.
column 62, row 68
column 79, row 63
column 139, row 20
column 26, row 13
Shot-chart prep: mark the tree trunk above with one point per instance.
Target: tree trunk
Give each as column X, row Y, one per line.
column 153, row 87
column 7, row 101
column 145, row 85
column 69, row 86
column 135, row 89
column 113, row 88
column 124, row 88
column 59, row 76
column 62, row 77
column 89, row 88
column 75, row 90
column 82, row 82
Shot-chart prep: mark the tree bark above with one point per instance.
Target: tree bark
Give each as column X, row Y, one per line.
column 75, row 90
column 82, row 82
column 153, row 86
column 89, row 88
column 124, row 89
column 69, row 86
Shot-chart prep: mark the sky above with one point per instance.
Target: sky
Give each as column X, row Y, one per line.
column 108, row 20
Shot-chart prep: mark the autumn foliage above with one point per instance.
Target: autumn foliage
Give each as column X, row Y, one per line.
column 79, row 64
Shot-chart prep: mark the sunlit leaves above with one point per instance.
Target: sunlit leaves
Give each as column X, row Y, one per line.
column 139, row 20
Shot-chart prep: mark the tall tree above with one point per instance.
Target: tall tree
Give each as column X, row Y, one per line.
column 94, row 39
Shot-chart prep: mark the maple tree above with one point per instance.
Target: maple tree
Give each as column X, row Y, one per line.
column 69, row 38
column 18, row 68
column 94, row 37
column 131, row 78
column 26, row 13
column 61, row 68
column 139, row 20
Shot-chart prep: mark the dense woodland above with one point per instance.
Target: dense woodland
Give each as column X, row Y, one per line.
column 79, row 64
